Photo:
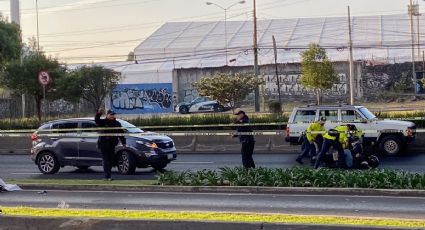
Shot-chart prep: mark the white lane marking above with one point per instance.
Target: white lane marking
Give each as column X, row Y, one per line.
column 26, row 173
column 232, row 194
column 192, row 162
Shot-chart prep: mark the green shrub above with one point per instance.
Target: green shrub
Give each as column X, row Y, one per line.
column 275, row 107
column 182, row 123
column 296, row 177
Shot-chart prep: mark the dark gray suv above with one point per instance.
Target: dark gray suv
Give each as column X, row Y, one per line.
column 73, row 142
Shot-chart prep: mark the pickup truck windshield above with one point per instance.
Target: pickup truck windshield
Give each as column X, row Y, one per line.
column 369, row 115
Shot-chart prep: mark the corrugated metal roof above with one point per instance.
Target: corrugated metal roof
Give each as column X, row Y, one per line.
column 202, row 44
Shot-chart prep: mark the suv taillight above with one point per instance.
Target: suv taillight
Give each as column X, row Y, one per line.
column 34, row 137
column 287, row 131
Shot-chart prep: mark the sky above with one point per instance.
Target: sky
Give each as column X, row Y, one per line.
column 82, row 31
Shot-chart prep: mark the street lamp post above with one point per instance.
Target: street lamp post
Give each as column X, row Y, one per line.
column 256, row 69
column 38, row 32
column 225, row 22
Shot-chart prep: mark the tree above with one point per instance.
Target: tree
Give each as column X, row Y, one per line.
column 228, row 88
column 22, row 77
column 404, row 83
column 91, row 83
column 10, row 42
column 317, row 71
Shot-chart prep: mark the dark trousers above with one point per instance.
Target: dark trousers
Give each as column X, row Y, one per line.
column 247, row 151
column 327, row 144
column 108, row 154
column 308, row 149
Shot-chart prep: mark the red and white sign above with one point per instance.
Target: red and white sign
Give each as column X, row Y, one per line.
column 44, row 78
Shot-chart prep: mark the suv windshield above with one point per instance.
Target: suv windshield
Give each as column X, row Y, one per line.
column 369, row 115
column 130, row 127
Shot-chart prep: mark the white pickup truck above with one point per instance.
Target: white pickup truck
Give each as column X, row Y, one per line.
column 391, row 136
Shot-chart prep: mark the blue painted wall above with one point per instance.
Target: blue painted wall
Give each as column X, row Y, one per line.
column 142, row 98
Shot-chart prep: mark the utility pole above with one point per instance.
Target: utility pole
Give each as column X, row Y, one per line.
column 423, row 66
column 38, row 31
column 423, row 62
column 418, row 15
column 277, row 72
column 411, row 13
column 15, row 16
column 225, row 36
column 256, row 70
column 350, row 42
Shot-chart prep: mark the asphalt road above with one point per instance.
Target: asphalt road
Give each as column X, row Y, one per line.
column 367, row 206
column 21, row 166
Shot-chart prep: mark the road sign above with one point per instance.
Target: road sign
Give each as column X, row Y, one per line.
column 44, row 78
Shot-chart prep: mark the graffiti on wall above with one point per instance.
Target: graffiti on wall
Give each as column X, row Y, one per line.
column 375, row 82
column 290, row 84
column 189, row 95
column 142, row 98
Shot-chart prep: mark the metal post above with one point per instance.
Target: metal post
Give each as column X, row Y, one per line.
column 277, row 72
column 256, row 70
column 225, row 35
column 44, row 101
column 413, row 46
column 418, row 34
column 423, row 61
column 351, row 58
column 423, row 67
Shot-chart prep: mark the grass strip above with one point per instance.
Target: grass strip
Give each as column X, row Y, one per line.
column 212, row 216
column 81, row 182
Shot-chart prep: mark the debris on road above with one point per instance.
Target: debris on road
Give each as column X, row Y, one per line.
column 8, row 187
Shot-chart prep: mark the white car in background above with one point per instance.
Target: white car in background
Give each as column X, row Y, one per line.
column 199, row 105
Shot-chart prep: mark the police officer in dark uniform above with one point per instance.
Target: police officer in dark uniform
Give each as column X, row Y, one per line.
column 107, row 144
column 247, row 141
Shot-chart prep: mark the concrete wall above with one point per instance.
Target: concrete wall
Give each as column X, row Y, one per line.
column 289, row 80
column 207, row 144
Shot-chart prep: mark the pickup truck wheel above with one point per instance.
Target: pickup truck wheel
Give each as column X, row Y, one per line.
column 126, row 163
column 390, row 145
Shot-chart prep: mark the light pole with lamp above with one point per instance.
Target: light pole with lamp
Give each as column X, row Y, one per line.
column 38, row 32
column 225, row 22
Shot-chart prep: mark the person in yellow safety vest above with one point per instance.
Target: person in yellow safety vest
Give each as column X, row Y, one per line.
column 338, row 138
column 310, row 138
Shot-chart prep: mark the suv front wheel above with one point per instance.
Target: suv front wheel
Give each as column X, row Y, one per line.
column 48, row 164
column 390, row 145
column 126, row 163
